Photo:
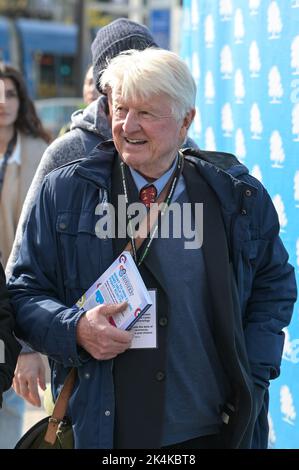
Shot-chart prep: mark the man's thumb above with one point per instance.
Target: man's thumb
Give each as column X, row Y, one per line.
column 111, row 309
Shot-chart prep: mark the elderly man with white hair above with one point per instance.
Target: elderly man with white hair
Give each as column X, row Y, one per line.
column 212, row 258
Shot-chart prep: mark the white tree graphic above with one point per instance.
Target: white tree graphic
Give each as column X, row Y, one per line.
column 295, row 55
column 256, row 125
column 280, row 209
column 254, row 6
column 295, row 122
column 256, row 172
column 227, row 120
column 197, row 124
column 240, row 148
column 275, row 89
column 209, row 31
column 239, row 87
column 195, row 66
column 186, row 19
column 194, row 14
column 274, row 21
column 277, row 154
column 210, row 143
column 209, row 88
column 287, row 405
column 239, row 28
column 287, row 347
column 254, row 60
column 225, row 9
column 226, row 62
column 295, row 3
column 272, row 435
column 296, row 188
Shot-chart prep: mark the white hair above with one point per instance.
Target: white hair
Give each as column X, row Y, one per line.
column 142, row 74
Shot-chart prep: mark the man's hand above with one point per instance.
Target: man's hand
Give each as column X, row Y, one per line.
column 29, row 373
column 98, row 337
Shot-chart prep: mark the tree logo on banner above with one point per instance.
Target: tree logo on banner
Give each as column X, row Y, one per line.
column 240, row 148
column 287, row 405
column 256, row 172
column 296, row 188
column 210, row 143
column 239, row 87
column 272, row 435
column 280, row 209
column 209, row 31
column 295, row 55
column 226, row 10
column 197, row 125
column 195, row 67
column 239, row 27
column 254, row 6
column 226, row 62
column 256, row 125
column 209, row 88
column 274, row 21
column 295, row 122
column 275, row 89
column 254, row 60
column 277, row 154
column 227, row 120
column 194, row 15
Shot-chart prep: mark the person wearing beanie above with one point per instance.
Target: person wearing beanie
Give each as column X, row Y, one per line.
column 89, row 128
column 118, row 36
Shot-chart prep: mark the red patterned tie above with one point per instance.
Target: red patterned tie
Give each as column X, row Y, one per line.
column 148, row 195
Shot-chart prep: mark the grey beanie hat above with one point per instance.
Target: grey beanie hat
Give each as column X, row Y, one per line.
column 120, row 35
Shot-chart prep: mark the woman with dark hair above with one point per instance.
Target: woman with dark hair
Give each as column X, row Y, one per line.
column 23, row 140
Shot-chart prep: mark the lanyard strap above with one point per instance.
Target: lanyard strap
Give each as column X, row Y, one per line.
column 150, row 223
column 4, row 161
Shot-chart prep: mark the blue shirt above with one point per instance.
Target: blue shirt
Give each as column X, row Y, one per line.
column 159, row 183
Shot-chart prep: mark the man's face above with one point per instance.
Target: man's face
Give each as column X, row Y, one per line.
column 146, row 134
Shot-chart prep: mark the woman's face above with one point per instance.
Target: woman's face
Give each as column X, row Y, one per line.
column 10, row 108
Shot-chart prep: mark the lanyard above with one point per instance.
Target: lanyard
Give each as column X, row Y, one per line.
column 165, row 197
column 5, row 159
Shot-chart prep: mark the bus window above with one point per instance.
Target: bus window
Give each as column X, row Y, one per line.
column 54, row 76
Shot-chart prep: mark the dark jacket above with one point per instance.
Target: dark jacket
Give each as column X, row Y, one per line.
column 9, row 347
column 61, row 257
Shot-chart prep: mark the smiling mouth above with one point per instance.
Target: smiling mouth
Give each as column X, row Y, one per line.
column 135, row 141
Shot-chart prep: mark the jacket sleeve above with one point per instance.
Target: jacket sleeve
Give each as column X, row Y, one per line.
column 273, row 294
column 9, row 347
column 36, row 286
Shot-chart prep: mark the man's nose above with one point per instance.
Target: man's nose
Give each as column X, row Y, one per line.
column 131, row 122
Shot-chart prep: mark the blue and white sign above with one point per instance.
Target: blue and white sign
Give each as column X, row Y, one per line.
column 244, row 56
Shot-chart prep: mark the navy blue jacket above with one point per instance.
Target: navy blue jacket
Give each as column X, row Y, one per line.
column 61, row 257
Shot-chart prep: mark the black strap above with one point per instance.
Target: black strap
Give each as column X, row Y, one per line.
column 4, row 161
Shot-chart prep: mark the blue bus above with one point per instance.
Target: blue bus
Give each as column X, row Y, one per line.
column 45, row 51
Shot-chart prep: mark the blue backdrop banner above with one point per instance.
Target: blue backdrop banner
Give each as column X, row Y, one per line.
column 244, row 56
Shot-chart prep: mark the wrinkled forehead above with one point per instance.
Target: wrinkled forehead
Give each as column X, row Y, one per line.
column 138, row 99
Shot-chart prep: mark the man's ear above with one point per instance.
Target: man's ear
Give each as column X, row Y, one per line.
column 187, row 121
column 189, row 118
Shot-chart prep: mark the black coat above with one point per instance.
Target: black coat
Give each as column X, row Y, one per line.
column 7, row 339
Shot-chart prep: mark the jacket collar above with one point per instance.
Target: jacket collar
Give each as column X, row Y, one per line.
column 97, row 167
column 233, row 193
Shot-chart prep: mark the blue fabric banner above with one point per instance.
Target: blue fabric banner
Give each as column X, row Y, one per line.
column 244, row 56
